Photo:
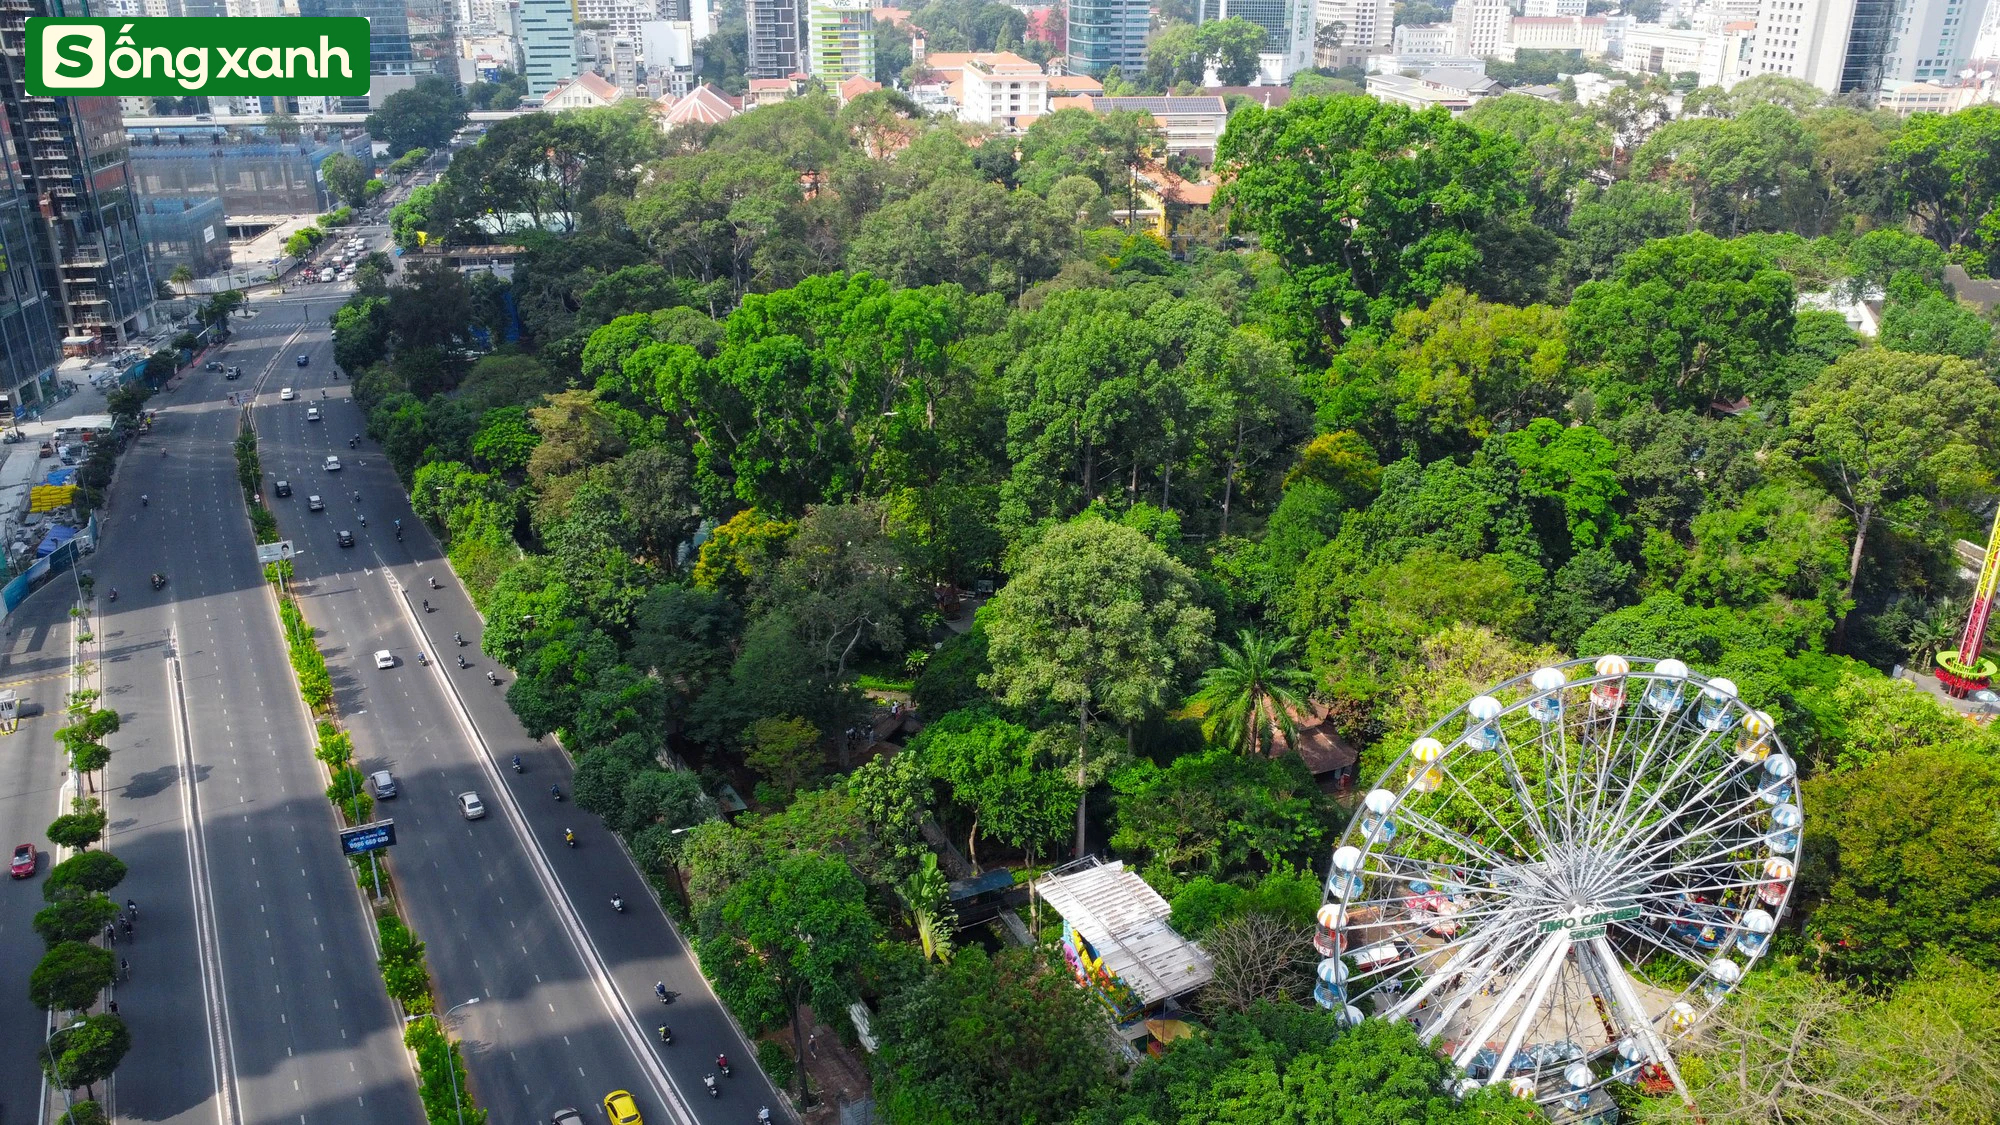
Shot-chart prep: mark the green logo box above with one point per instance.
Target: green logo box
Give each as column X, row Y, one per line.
column 183, row 55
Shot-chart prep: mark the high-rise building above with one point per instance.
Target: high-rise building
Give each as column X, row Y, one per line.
column 68, row 156
column 1813, row 40
column 1481, row 26
column 774, row 37
column 1107, row 33
column 548, row 44
column 1351, row 30
column 1287, row 24
column 840, row 40
column 410, row 38
column 1933, row 39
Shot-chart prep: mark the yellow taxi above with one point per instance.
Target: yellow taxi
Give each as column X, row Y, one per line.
column 622, row 1109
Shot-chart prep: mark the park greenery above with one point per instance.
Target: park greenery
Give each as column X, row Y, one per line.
column 1418, row 405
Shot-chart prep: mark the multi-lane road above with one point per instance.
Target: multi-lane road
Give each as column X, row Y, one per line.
column 254, row 995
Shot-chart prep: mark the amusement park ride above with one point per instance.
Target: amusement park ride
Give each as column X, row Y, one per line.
column 1563, row 877
column 1967, row 670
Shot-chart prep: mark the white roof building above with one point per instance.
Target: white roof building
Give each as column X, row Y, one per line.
column 1123, row 924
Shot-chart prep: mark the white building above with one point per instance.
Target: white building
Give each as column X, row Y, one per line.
column 1804, row 39
column 1455, row 90
column 1652, row 48
column 1424, row 40
column 623, row 17
column 1002, row 88
column 1365, row 27
column 666, row 49
column 1418, row 64
column 1555, row 33
column 1542, row 9
column 1933, row 39
column 1481, row 26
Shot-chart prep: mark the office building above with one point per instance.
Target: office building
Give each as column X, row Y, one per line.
column 31, row 324
column 1932, row 39
column 1352, row 30
column 1288, row 27
column 1810, row 40
column 1545, row 9
column 1480, row 26
column 1107, row 33
column 185, row 232
column 406, row 38
column 548, row 44
column 840, row 40
column 253, row 173
column 68, row 156
column 774, row 38
column 622, row 17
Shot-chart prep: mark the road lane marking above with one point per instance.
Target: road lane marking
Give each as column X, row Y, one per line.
column 222, row 1054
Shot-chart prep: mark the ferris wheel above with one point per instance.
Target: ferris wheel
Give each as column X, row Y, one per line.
column 1562, row 877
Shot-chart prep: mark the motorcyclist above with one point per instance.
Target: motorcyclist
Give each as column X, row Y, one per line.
column 114, row 593
column 618, row 903
column 517, row 759
column 556, row 792
column 492, row 679
column 660, row 989
column 463, row 662
column 569, row 837
column 708, row 1080
column 459, row 638
column 143, row 501
column 666, row 1034
column 722, row 1064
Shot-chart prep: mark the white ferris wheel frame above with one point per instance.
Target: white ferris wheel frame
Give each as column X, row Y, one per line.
column 1512, row 923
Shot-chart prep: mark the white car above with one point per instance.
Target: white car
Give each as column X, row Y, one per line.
column 332, row 464
column 383, row 783
column 469, row 806
column 315, row 504
column 384, row 658
column 287, row 395
column 312, row 413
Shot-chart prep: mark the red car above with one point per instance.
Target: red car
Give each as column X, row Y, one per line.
column 24, row 861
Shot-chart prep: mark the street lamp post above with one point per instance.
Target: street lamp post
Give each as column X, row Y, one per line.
column 450, row 1064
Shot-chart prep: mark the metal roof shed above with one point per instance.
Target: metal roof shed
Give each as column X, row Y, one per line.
column 1125, row 922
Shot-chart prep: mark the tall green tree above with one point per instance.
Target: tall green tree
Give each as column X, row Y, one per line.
column 423, row 116
column 1687, row 322
column 1098, row 618
column 795, row 930
column 990, row 1038
column 1948, row 168
column 1370, row 206
column 70, row 976
column 1879, row 426
column 346, row 177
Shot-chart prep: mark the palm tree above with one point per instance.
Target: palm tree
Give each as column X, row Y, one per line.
column 181, row 276
column 1251, row 695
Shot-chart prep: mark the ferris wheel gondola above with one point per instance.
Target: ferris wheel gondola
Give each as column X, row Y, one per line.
column 1564, row 876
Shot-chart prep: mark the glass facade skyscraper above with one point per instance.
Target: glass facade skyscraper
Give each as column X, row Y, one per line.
column 1107, row 33
column 74, row 273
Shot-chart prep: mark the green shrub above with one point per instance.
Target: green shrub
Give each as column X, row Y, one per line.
column 776, row 1061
